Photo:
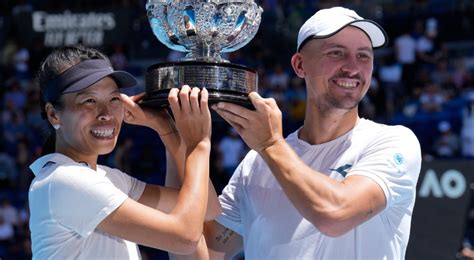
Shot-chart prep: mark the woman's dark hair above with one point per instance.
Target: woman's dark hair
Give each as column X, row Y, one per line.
column 54, row 65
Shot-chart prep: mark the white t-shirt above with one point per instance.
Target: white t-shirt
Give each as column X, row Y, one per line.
column 406, row 46
column 68, row 200
column 255, row 206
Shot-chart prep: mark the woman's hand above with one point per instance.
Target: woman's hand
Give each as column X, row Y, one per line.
column 192, row 115
column 159, row 120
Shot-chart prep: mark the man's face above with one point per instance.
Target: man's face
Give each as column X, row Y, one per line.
column 91, row 120
column 338, row 69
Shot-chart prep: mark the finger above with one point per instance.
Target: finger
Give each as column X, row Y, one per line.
column 138, row 97
column 127, row 116
column 128, row 102
column 234, row 109
column 184, row 98
column 205, row 102
column 174, row 101
column 194, row 99
column 257, row 100
column 235, row 125
column 231, row 117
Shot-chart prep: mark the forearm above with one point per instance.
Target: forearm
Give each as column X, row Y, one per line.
column 201, row 252
column 191, row 204
column 175, row 176
column 317, row 197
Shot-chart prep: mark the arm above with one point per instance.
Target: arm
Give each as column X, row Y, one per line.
column 333, row 207
column 222, row 242
column 163, row 124
column 180, row 230
column 174, row 178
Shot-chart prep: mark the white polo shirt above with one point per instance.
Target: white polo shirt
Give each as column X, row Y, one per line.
column 68, row 200
column 255, row 206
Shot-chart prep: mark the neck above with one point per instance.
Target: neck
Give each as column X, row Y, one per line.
column 90, row 160
column 320, row 128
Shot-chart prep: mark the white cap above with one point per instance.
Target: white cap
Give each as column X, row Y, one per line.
column 327, row 22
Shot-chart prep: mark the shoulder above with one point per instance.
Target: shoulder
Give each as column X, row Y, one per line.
column 110, row 170
column 72, row 175
column 382, row 131
column 116, row 176
column 391, row 143
column 389, row 140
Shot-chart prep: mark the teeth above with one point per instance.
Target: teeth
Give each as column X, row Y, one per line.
column 346, row 84
column 103, row 133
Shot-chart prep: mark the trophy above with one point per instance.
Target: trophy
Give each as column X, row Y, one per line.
column 204, row 29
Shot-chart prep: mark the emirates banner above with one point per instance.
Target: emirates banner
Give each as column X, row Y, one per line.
column 66, row 28
column 440, row 214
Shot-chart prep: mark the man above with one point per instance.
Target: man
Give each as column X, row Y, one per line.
column 341, row 187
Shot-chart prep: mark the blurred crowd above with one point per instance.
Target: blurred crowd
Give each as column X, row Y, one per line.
column 423, row 80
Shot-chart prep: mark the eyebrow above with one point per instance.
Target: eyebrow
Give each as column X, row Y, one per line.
column 335, row 45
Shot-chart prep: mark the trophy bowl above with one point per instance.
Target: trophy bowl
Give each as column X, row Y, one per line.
column 204, row 29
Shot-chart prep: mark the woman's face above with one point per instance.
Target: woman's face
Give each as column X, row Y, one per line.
column 90, row 121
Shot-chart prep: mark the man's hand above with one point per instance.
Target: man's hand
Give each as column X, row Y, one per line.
column 260, row 128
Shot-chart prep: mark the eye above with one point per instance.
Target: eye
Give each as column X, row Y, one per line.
column 364, row 56
column 336, row 53
column 89, row 100
column 116, row 99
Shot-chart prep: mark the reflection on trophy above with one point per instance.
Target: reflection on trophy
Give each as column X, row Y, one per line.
column 203, row 29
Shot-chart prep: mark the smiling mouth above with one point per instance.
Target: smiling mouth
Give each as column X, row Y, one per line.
column 346, row 84
column 105, row 133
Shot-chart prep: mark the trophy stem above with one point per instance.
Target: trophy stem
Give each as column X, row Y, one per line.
column 204, row 52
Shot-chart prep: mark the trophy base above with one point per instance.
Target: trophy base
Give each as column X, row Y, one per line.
column 159, row 99
column 225, row 82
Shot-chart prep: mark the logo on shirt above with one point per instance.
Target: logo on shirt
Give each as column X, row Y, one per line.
column 342, row 169
column 398, row 159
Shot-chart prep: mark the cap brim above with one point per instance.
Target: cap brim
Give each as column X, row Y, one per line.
column 377, row 35
column 122, row 78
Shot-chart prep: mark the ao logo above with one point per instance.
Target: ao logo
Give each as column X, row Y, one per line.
column 452, row 184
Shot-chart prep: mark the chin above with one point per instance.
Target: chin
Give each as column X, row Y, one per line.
column 105, row 149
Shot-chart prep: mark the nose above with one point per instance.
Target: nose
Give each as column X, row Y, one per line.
column 350, row 67
column 104, row 113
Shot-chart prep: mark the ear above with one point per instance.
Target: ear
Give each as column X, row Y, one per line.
column 297, row 64
column 52, row 114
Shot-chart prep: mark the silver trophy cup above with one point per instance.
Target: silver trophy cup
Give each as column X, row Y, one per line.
column 204, row 29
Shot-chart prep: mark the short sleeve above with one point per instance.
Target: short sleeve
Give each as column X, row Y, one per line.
column 393, row 161
column 230, row 202
column 129, row 185
column 80, row 198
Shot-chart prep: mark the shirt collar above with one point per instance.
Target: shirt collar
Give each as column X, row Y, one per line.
column 55, row 158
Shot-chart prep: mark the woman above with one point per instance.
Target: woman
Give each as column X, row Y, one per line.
column 80, row 209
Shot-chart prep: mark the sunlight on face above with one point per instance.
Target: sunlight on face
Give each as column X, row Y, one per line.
column 338, row 69
column 91, row 120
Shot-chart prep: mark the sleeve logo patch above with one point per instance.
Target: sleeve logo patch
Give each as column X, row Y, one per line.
column 398, row 159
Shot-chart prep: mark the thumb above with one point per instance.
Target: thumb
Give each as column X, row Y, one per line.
column 271, row 102
column 256, row 99
column 138, row 97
